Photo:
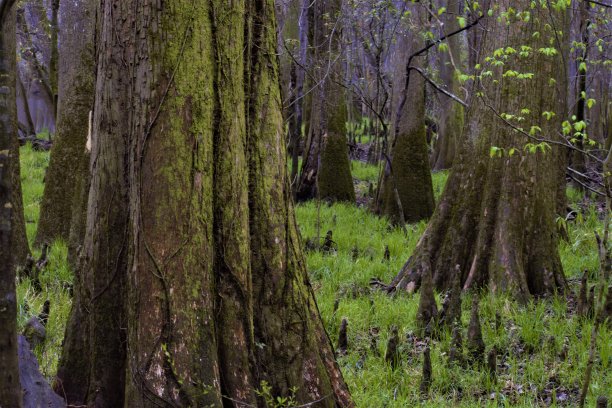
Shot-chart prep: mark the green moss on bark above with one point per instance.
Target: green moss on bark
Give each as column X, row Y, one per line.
column 411, row 177
column 335, row 179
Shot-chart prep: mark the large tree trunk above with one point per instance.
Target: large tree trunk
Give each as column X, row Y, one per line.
column 76, row 96
column 496, row 218
column 190, row 205
column 10, row 389
column 406, row 193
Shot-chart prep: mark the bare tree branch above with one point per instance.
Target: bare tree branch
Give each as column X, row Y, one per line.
column 599, row 3
column 440, row 89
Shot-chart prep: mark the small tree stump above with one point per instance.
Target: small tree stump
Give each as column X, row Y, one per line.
column 426, row 379
column 602, row 402
column 428, row 310
column 392, row 354
column 475, row 343
column 492, row 364
column 342, row 338
column 456, row 350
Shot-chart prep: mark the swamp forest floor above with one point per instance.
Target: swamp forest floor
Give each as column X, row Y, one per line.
column 542, row 347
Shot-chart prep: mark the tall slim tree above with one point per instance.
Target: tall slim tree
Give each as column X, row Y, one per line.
column 326, row 175
column 10, row 389
column 76, row 95
column 452, row 113
column 190, row 220
column 496, row 218
column 406, row 193
column 20, row 248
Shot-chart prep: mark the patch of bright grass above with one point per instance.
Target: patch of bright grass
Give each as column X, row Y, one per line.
column 528, row 341
column 57, row 276
column 33, row 167
column 364, row 172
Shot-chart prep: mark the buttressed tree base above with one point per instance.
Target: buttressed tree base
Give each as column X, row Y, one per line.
column 194, row 289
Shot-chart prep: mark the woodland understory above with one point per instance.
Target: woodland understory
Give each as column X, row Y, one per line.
column 305, row 203
column 543, row 345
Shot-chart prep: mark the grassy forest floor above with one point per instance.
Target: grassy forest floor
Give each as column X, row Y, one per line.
column 531, row 340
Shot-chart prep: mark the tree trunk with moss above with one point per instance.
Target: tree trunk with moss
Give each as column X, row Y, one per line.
column 76, row 96
column 496, row 218
column 54, row 59
column 10, row 389
column 20, row 248
column 407, row 183
column 452, row 113
column 191, row 205
column 335, row 179
column 320, row 169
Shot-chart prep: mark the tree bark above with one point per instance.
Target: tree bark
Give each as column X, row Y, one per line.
column 20, row 248
column 496, row 218
column 406, row 193
column 327, row 111
column 54, row 59
column 76, row 98
column 200, row 233
column 452, row 118
column 10, row 389
column 298, row 93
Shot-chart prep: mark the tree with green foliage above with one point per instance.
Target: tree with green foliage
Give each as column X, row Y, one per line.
column 496, row 218
column 10, row 389
column 195, row 291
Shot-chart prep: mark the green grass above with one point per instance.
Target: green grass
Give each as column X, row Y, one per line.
column 529, row 340
column 57, row 275
column 532, row 336
column 33, row 167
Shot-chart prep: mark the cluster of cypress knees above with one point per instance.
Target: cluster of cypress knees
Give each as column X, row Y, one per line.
column 431, row 322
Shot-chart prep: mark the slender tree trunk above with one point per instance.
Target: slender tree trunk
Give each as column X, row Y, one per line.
column 496, row 218
column 10, row 389
column 189, row 146
column 452, row 118
column 406, row 193
column 76, row 97
column 577, row 159
column 39, row 72
column 330, row 172
column 20, row 248
column 298, row 103
column 31, row 130
column 54, row 60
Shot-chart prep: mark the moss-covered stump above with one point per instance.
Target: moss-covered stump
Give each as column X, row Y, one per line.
column 335, row 179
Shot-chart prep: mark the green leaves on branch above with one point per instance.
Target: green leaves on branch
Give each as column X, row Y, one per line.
column 531, row 148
